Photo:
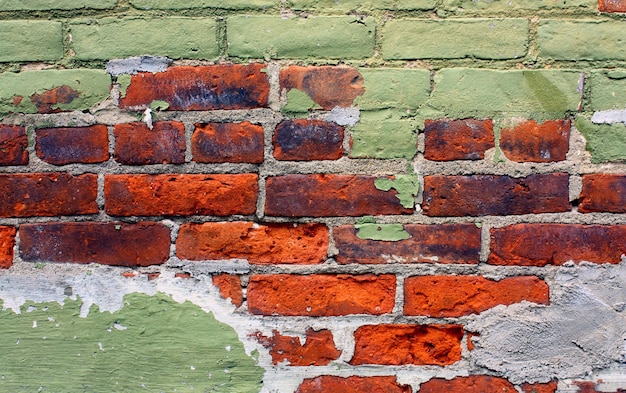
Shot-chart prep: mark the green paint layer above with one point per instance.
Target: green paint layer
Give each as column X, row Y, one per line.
column 394, row 88
column 227, row 4
column 582, row 40
column 384, row 232
column 407, row 187
column 109, row 38
column 605, row 142
column 22, row 40
column 608, row 90
column 269, row 37
column 503, row 6
column 362, row 5
column 42, row 5
column 384, row 134
column 407, row 39
column 299, row 102
column 152, row 344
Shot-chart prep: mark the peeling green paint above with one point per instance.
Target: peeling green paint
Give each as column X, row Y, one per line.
column 124, row 81
column 384, row 232
column 605, row 142
column 158, row 105
column 299, row 102
column 394, row 88
column 608, row 90
column 151, row 344
column 407, row 187
column 384, row 134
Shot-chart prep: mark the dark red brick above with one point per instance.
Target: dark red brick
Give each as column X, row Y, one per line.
column 549, row 387
column 180, row 194
column 555, row 244
column 481, row 195
column 612, row 5
column 228, row 142
column 47, row 194
column 407, row 344
column 466, row 139
column 61, row 146
column 13, row 145
column 328, row 86
column 301, row 140
column 603, row 193
column 327, row 384
column 189, row 88
column 318, row 350
column 322, row 195
column 430, row 295
column 259, row 244
column 590, row 387
column 321, row 295
column 118, row 244
column 445, row 243
column 48, row 101
column 230, row 287
column 7, row 241
column 136, row 144
column 533, row 142
column 471, row 384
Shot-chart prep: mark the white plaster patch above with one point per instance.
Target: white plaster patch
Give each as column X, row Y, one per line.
column 344, row 116
column 133, row 65
column 611, row 116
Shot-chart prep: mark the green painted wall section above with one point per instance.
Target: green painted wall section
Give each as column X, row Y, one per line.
column 399, row 88
column 608, row 90
column 384, row 232
column 453, row 39
column 503, row 6
column 152, row 344
column 384, row 134
column 110, row 38
column 605, row 142
column 227, row 4
column 298, row 102
column 35, row 5
column 344, row 37
column 349, row 5
column 30, row 40
column 407, row 187
column 582, row 40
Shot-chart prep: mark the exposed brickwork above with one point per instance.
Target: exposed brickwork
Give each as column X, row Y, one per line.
column 603, row 193
column 301, row 140
column 7, row 241
column 230, row 287
column 471, row 384
column 318, row 350
column 334, row 384
column 536, row 142
column 136, row 144
column 467, row 139
column 612, row 5
column 549, row 387
column 13, row 144
column 228, row 142
column 61, row 146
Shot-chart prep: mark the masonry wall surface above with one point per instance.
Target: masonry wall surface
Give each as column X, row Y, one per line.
column 313, row 196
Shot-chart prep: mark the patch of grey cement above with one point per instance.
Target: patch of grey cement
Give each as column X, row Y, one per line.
column 133, row 65
column 344, row 116
column 609, row 116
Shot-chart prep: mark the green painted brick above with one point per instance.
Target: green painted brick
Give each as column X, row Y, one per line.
column 384, row 134
column 407, row 39
column 536, row 94
column 341, row 37
column 187, row 4
column 42, row 5
column 582, row 40
column 175, row 37
column 605, row 142
column 501, row 6
column 358, row 5
column 16, row 89
column 394, row 88
column 23, row 40
column 608, row 90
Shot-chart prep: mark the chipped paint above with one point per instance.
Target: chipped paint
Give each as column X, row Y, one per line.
column 384, row 232
column 407, row 187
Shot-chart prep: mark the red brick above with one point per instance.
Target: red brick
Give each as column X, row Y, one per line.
column 7, row 241
column 555, row 244
column 302, row 139
column 327, row 384
column 13, row 145
column 612, row 5
column 467, row 139
column 533, row 142
column 445, row 243
column 322, row 195
column 136, row 144
column 407, row 344
column 328, row 86
column 471, row 384
column 228, row 142
column 47, row 194
column 318, row 350
column 603, row 193
column 430, row 295
column 61, row 146
column 48, row 101
column 549, row 387
column 230, row 287
column 321, row 295
column 259, row 244
column 180, row 194
column 118, row 244
column 590, row 387
column 188, row 88
column 481, row 195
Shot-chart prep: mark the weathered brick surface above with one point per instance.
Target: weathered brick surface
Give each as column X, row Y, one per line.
column 233, row 86
column 603, row 193
column 334, row 195
column 530, row 141
column 118, row 244
column 13, row 145
column 429, row 295
column 230, row 287
column 7, row 242
column 226, row 4
column 43, row 5
column 318, row 350
column 259, row 244
column 445, row 243
column 549, row 387
column 47, row 194
column 30, row 40
column 471, row 384
column 480, row 195
column 321, row 295
column 180, row 195
column 61, row 146
column 555, row 244
column 301, row 140
column 407, row 344
column 326, row 383
column 578, row 40
column 612, row 5
column 227, row 142
column 467, row 139
column 136, row 144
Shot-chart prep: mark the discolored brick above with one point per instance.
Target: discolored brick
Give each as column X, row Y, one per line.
column 136, row 144
column 530, row 141
column 61, row 146
column 49, row 100
column 13, row 145
column 603, row 193
column 7, row 242
column 318, row 350
column 302, row 139
column 471, row 384
column 228, row 142
column 466, row 139
column 549, row 387
column 230, row 287
column 612, row 5
column 328, row 383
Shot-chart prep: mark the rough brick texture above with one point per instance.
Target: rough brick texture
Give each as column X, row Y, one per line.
column 259, row 244
column 467, row 139
column 321, row 295
column 136, row 144
column 536, row 142
column 334, row 384
column 227, row 142
column 603, row 193
column 300, row 140
column 471, row 384
column 13, row 145
column 612, row 5
column 318, row 350
column 230, row 287
column 61, row 146
column 7, row 241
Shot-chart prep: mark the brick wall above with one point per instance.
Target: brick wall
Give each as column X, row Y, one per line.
column 369, row 183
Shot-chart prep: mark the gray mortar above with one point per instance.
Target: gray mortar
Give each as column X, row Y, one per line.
column 134, row 65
